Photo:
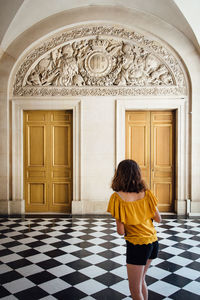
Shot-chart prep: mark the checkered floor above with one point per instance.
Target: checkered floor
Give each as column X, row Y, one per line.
column 84, row 258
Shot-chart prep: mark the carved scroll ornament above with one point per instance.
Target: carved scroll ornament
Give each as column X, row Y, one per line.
column 101, row 65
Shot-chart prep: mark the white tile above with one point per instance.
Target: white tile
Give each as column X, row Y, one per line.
column 74, row 241
column 121, row 259
column 97, row 234
column 157, row 273
column 93, row 271
column 121, row 272
column 6, row 240
column 163, row 288
column 95, row 249
column 20, row 228
column 163, row 235
column 190, row 242
column 173, row 250
column 45, row 248
column 12, row 233
column 188, row 273
column 88, row 298
column 27, row 240
column 54, row 286
column 78, row 227
column 19, row 248
column 119, row 249
column 97, row 241
column 76, row 233
column 4, row 269
column 29, row 270
column 122, row 287
column 55, row 233
column 184, row 235
column 70, row 248
column 167, row 242
column 193, row 287
column 98, row 228
column 156, row 261
column 50, row 240
column 66, row 258
column 94, row 259
column 119, row 241
column 18, row 285
column 181, row 261
column 61, row 270
column 195, row 250
column 38, row 258
column 90, row 286
column 9, row 258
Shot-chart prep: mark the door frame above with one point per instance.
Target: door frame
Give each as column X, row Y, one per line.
column 182, row 183
column 18, row 106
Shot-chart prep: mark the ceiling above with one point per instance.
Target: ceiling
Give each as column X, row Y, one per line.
column 16, row 16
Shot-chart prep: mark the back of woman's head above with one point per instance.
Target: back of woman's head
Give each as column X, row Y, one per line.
column 128, row 178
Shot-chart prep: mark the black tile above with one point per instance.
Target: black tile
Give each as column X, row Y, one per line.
column 194, row 265
column 3, row 292
column 81, row 253
column 33, row 293
column 41, row 277
column 108, row 279
column 71, row 293
column 109, row 254
column 182, row 294
column 9, row 276
column 189, row 255
column 11, row 244
column 5, row 252
column 55, row 253
column 48, row 264
column 108, row 265
column 175, row 238
column 29, row 252
column 164, row 255
column 19, row 263
column 74, row 278
column 182, row 246
column 168, row 266
column 108, row 294
column 60, row 244
column 155, row 296
column 108, row 245
column 79, row 264
column 177, row 280
column 150, row 280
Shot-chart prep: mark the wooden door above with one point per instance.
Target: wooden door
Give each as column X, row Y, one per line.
column 150, row 140
column 48, row 161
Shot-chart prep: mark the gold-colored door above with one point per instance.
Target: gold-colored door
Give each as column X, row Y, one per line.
column 48, row 161
column 150, row 139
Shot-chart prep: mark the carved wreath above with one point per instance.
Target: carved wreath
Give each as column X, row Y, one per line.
column 108, row 64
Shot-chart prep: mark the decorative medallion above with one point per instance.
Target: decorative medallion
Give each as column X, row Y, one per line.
column 111, row 62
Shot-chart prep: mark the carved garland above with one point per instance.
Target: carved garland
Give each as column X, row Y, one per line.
column 99, row 60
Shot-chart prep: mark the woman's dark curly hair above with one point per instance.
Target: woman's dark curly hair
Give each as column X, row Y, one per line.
column 128, row 178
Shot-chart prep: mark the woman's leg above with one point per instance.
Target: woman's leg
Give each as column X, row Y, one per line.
column 144, row 285
column 135, row 278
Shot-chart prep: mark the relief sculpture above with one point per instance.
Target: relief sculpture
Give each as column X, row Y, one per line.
column 99, row 62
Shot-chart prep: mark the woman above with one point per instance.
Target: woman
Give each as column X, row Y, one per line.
column 135, row 207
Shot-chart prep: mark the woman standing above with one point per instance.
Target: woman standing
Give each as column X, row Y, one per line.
column 135, row 207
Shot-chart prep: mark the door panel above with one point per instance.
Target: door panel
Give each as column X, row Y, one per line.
column 150, row 142
column 138, row 133
column 162, row 158
column 48, row 161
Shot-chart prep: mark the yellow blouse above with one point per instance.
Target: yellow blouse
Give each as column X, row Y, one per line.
column 136, row 217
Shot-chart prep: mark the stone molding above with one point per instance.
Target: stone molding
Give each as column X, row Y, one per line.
column 102, row 60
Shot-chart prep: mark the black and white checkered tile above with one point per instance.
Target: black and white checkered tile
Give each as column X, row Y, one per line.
column 84, row 258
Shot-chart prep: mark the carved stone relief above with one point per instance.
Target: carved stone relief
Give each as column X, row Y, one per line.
column 118, row 63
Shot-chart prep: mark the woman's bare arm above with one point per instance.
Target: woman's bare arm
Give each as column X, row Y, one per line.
column 157, row 216
column 120, row 228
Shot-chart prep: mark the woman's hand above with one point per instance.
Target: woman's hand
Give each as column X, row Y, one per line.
column 120, row 228
column 157, row 216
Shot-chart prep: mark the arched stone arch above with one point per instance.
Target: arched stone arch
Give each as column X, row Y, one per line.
column 113, row 60
column 147, row 25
